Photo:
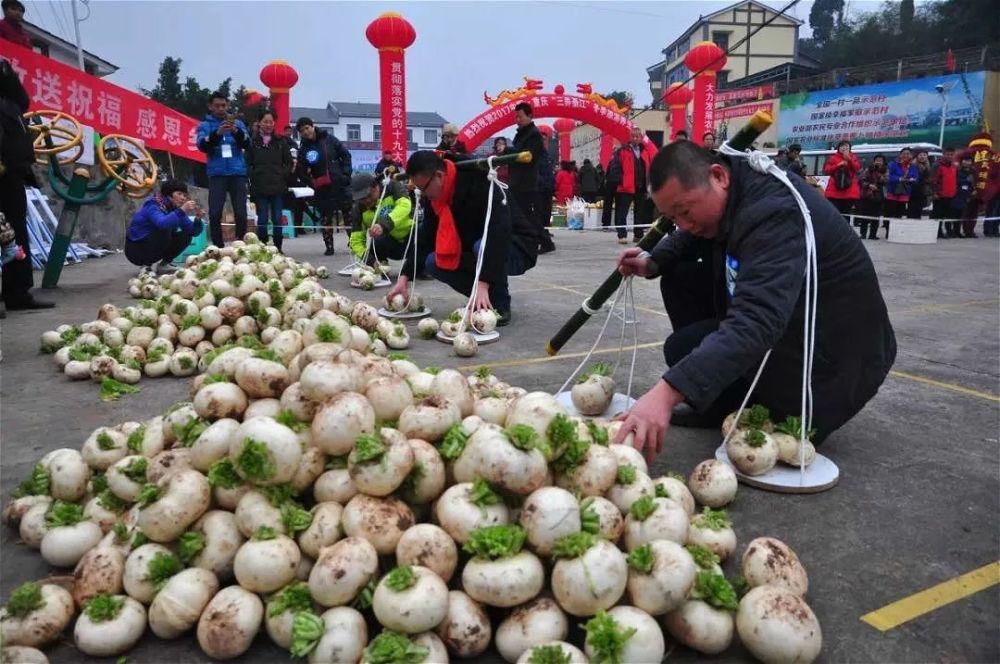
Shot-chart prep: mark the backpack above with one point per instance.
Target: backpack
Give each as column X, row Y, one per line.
column 842, row 179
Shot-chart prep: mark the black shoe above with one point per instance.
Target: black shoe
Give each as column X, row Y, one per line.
column 684, row 415
column 329, row 251
column 28, row 304
column 503, row 317
column 546, row 249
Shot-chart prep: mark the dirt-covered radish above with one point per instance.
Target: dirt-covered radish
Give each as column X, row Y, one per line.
column 537, row 410
column 466, row 630
column 280, row 610
column 778, row 626
column 68, row 474
column 705, row 621
column 465, row 344
column 213, row 443
column 466, row 507
column 22, row 655
column 335, row 485
column 713, row 483
column 428, row 327
column 601, row 517
column 127, row 477
column 340, row 421
column 69, row 534
column 103, row 447
column 428, row 546
column 668, row 486
column 266, row 452
column 655, row 518
column 100, row 572
column 147, row 569
column 533, row 624
column 752, row 451
column 591, row 473
column 589, row 575
column 754, row 417
column 594, row 390
column 212, row 543
column 339, row 635
column 342, row 571
column 643, row 639
column 220, row 399
column 322, row 530
column 410, row 599
column 169, row 507
column 381, row 521
column 35, row 615
column 255, row 510
column 508, row 458
column 266, row 562
column 712, row 530
column 770, row 562
column 262, row 377
column 630, row 485
column 109, row 625
column 429, row 419
column 548, row 514
column 661, row 573
column 500, row 573
column 552, row 651
column 389, row 396
column 228, row 625
column 177, row 607
column 426, row 480
column 380, row 462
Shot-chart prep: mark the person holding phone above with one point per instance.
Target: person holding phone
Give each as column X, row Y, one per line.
column 162, row 228
column 224, row 138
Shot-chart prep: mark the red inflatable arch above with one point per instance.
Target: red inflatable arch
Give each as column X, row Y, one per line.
column 588, row 111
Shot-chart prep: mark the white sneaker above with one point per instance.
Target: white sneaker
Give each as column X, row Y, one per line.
column 163, row 267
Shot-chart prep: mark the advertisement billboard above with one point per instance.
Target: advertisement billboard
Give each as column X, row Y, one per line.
column 896, row 112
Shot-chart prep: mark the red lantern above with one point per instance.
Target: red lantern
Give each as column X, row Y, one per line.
column 392, row 34
column 252, row 98
column 564, row 126
column 677, row 97
column 705, row 59
column 279, row 77
column 559, row 89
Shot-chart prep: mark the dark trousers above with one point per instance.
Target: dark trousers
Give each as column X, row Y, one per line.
column 942, row 210
column 915, row 207
column 589, row 196
column 219, row 186
column 991, row 227
column 17, row 276
column 607, row 212
column 385, row 247
column 543, row 217
column 641, row 215
column 462, row 279
column 269, row 209
column 969, row 214
column 896, row 210
column 869, row 207
column 160, row 245
column 843, row 205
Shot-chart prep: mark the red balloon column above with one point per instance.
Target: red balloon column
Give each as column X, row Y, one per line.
column 564, row 126
column 279, row 77
column 392, row 34
column 606, row 150
column 677, row 97
column 706, row 58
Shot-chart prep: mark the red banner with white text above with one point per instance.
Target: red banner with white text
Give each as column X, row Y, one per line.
column 744, row 94
column 106, row 107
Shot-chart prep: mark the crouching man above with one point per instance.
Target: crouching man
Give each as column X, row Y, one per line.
column 161, row 229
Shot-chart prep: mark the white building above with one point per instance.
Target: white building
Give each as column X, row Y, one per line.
column 60, row 50
column 359, row 125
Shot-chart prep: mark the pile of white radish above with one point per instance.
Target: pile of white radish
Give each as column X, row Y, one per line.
column 312, row 489
column 757, row 444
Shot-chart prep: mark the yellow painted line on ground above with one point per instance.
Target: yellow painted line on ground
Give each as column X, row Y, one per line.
column 928, row 308
column 895, row 614
column 539, row 288
column 945, row 386
column 552, row 358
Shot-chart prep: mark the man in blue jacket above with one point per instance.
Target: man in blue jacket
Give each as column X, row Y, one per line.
column 224, row 138
column 161, row 229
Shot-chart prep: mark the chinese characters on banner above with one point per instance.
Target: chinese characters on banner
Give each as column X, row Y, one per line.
column 744, row 94
column 104, row 106
column 393, row 96
column 710, row 102
column 742, row 110
column 847, row 118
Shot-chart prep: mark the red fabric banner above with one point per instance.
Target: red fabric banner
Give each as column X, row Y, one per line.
column 743, row 94
column 392, row 72
column 703, row 115
column 106, row 107
column 743, row 110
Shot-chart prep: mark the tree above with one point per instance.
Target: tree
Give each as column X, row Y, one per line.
column 906, row 19
column 623, row 99
column 821, row 18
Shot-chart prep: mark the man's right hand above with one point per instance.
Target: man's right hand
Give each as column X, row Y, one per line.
column 636, row 262
column 189, row 207
column 401, row 287
column 225, row 128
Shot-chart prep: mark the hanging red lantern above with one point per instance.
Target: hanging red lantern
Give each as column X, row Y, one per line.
column 392, row 34
column 705, row 59
column 677, row 97
column 279, row 77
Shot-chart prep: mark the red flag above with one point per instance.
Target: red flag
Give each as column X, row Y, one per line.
column 949, row 61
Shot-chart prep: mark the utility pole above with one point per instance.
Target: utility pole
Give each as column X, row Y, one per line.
column 79, row 46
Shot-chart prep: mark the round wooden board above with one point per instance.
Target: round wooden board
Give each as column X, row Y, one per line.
column 821, row 475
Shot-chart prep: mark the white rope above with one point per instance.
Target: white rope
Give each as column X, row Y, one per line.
column 764, row 164
column 494, row 182
column 619, row 294
column 412, row 240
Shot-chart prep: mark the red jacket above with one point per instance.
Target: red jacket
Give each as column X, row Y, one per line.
column 945, row 178
column 565, row 185
column 853, row 191
column 14, row 33
column 627, row 157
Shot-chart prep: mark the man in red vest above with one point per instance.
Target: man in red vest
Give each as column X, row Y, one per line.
column 12, row 25
column 634, row 158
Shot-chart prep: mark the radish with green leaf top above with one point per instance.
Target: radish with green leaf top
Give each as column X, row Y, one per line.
column 14, row 511
column 594, row 391
column 219, row 400
column 398, row 339
column 644, row 646
column 593, row 475
column 465, row 344
column 553, row 652
column 606, row 640
column 778, row 626
column 392, row 647
column 229, row 623
column 177, row 607
column 339, row 635
column 705, row 622
column 281, row 608
column 713, row 530
column 508, row 458
column 600, row 516
column 651, row 519
column 548, row 514
column 100, row 571
column 668, row 486
column 427, row 477
column 590, row 574
column 450, row 384
column 35, row 615
column 183, row 362
column 103, row 447
column 661, row 573
column 752, row 451
column 466, row 507
column 169, row 508
column 69, row 534
column 68, row 474
column 147, row 569
column 213, row 443
column 466, row 630
column 500, row 573
column 630, row 485
column 266, row 562
column 537, row 410
column 536, row 623
column 254, row 510
column 754, row 417
column 340, row 421
column 323, row 530
column 771, row 562
column 265, row 452
column 109, row 625
column 428, row 327
column 212, row 543
column 410, row 599
column 492, row 409
column 713, row 483
column 342, row 571
column 428, row 546
column 629, row 456
column 786, row 437
column 429, row 419
column 380, row 462
column 381, row 521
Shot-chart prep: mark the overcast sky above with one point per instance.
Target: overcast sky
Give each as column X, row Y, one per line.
column 462, row 48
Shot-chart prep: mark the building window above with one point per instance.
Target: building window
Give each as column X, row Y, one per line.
column 722, row 79
column 409, row 135
column 721, row 40
column 354, row 132
column 431, row 136
column 376, row 132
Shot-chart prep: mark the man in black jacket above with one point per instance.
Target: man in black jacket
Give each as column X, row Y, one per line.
column 524, row 177
column 732, row 278
column 450, row 235
column 325, row 163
